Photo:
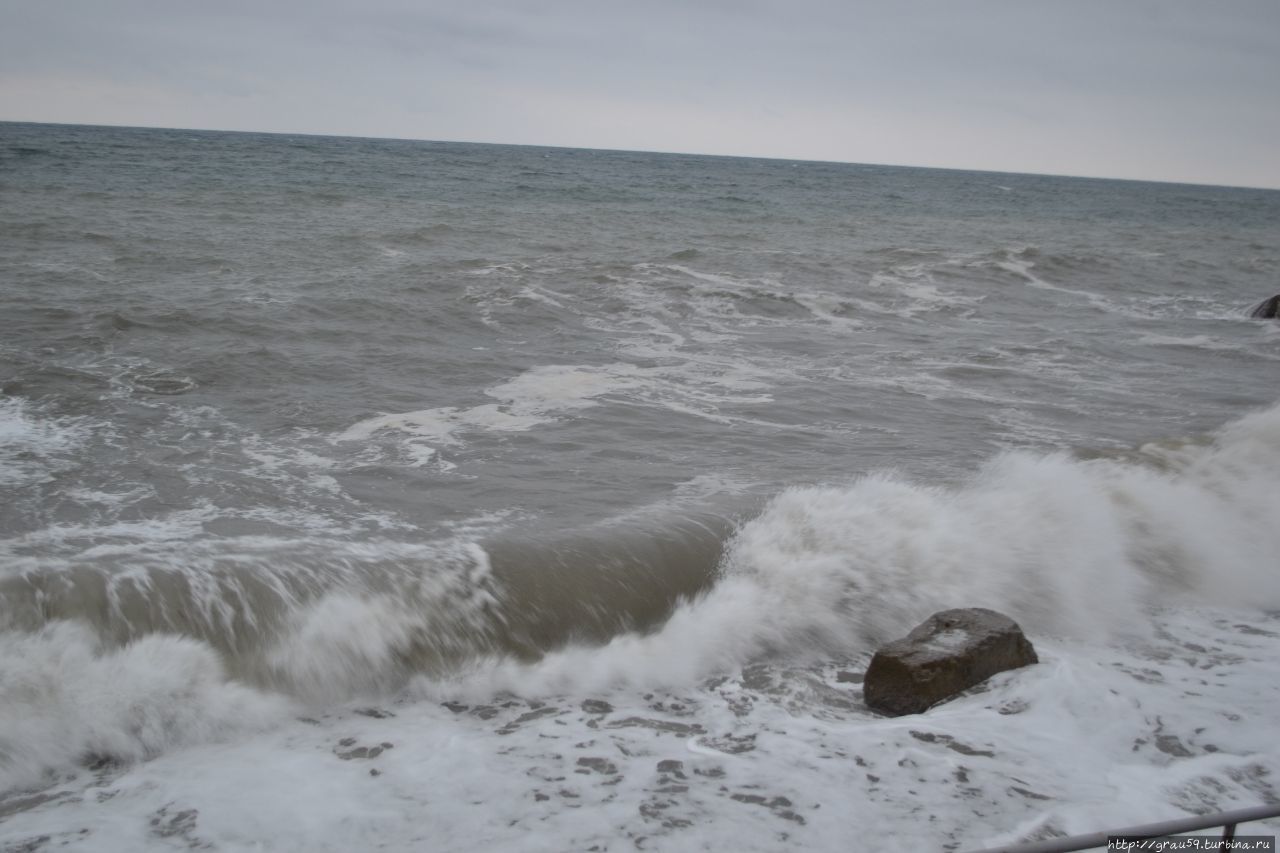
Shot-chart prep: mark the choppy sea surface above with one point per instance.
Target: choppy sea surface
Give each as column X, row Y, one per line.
column 365, row 494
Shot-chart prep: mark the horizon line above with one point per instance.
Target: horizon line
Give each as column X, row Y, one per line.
column 651, row 151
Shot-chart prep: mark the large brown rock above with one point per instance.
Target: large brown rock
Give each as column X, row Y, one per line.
column 949, row 653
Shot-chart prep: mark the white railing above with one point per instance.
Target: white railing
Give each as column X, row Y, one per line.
column 1227, row 820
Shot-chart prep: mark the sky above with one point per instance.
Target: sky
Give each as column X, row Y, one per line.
column 1174, row 90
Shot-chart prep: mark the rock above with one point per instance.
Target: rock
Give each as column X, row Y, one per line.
column 947, row 654
column 1267, row 309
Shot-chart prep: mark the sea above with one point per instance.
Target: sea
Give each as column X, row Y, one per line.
column 363, row 494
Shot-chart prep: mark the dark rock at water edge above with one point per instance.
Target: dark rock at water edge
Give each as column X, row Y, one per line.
column 1267, row 309
column 950, row 652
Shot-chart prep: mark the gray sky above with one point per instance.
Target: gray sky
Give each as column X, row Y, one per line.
column 1184, row 90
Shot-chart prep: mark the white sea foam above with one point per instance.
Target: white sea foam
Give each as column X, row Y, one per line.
column 548, row 393
column 92, row 540
column 113, row 499
column 724, row 302
column 1193, row 341
column 1160, row 306
column 275, row 461
column 1071, row 548
column 685, row 334
column 422, row 455
column 33, row 447
column 707, row 485
column 1110, row 564
column 1017, row 263
column 65, row 698
column 766, row 759
column 908, row 290
column 535, row 397
column 355, row 640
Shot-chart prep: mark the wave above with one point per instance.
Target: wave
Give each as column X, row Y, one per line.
column 1074, row 547
column 548, row 393
column 102, row 664
column 123, row 657
column 326, row 620
column 32, row 448
column 67, row 697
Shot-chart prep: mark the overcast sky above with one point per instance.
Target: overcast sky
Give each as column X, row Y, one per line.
column 1183, row 90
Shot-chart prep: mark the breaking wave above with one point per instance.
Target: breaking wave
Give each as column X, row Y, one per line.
column 104, row 660
column 1070, row 546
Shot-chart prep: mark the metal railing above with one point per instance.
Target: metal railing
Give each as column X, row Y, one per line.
column 1227, row 820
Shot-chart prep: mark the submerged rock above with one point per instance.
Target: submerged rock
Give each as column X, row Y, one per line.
column 1267, row 309
column 947, row 654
